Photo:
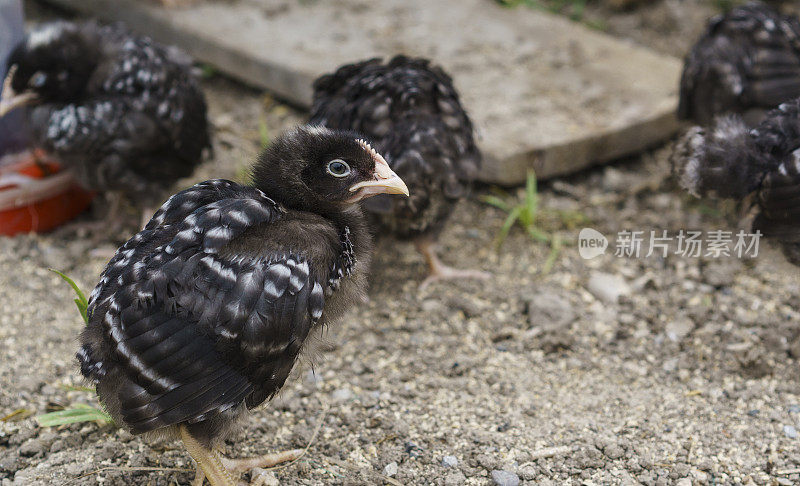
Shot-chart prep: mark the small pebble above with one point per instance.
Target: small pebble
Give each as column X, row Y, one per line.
column 432, row 306
column 614, row 451
column 58, row 445
column 505, row 478
column 678, row 329
column 449, row 461
column 607, row 287
column 670, row 365
column 390, row 469
column 342, row 395
column 9, row 463
column 32, row 447
column 455, row 478
column 790, row 431
column 547, row 308
column 468, row 306
column 794, row 408
column 77, row 468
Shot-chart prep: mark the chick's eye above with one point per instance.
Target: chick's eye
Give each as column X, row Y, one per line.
column 338, row 168
column 38, row 79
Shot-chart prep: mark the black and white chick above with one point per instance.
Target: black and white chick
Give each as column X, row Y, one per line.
column 203, row 314
column 123, row 112
column 759, row 166
column 747, row 62
column 411, row 112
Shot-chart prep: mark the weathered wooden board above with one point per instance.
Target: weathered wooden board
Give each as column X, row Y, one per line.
column 544, row 92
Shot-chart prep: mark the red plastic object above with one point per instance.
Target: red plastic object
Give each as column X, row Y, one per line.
column 37, row 196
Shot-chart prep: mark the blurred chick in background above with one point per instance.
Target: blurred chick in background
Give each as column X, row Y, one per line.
column 123, row 112
column 759, row 166
column 747, row 62
column 411, row 112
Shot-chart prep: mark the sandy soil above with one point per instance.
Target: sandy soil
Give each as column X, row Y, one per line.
column 689, row 376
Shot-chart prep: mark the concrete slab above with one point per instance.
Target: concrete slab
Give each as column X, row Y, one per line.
column 545, row 93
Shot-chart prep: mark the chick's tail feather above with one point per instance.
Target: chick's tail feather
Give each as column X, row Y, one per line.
column 721, row 162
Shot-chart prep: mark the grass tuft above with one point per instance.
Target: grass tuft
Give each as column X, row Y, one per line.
column 540, row 224
column 525, row 213
column 79, row 412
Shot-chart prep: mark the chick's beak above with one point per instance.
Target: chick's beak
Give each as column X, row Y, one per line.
column 385, row 182
column 11, row 100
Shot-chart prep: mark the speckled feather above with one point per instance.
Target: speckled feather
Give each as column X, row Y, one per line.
column 733, row 161
column 205, row 311
column 748, row 59
column 411, row 112
column 139, row 122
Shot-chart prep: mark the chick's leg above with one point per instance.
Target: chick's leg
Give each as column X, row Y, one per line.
column 199, row 476
column 108, row 220
column 221, row 471
column 438, row 270
column 209, row 462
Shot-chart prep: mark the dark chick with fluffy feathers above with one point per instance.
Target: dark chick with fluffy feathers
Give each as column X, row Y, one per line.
column 411, row 111
column 760, row 165
column 203, row 314
column 123, row 112
column 747, row 62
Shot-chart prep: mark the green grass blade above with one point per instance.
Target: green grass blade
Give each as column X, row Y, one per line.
column 72, row 283
column 555, row 251
column 79, row 413
column 570, row 218
column 537, row 234
column 86, row 389
column 495, row 201
column 526, row 219
column 81, row 301
column 531, row 194
column 499, row 192
column 513, row 215
column 82, row 309
column 18, row 414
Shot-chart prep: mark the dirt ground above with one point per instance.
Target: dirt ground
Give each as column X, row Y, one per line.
column 650, row 371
